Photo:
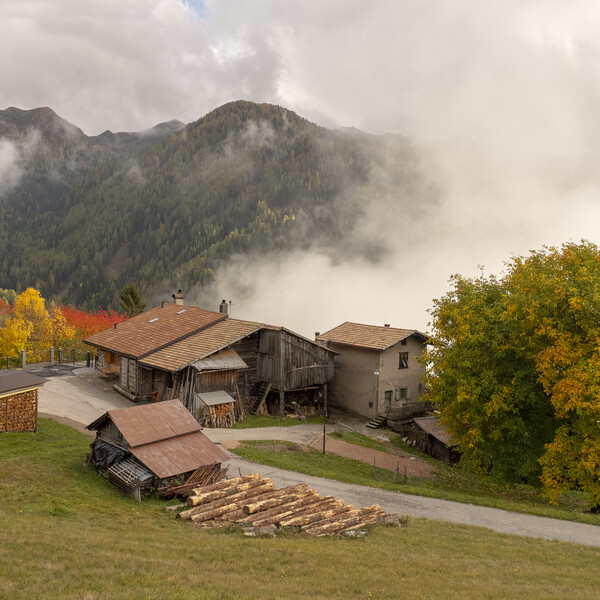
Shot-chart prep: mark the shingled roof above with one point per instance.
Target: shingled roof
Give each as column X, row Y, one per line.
column 200, row 345
column 372, row 337
column 154, row 329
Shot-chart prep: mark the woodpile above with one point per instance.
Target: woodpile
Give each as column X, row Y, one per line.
column 202, row 476
column 18, row 412
column 253, row 501
column 220, row 415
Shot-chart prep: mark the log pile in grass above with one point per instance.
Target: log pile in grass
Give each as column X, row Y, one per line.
column 253, row 501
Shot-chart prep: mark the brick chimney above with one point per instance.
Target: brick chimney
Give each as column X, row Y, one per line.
column 223, row 308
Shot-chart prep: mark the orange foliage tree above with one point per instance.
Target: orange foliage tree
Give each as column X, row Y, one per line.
column 88, row 323
column 514, row 369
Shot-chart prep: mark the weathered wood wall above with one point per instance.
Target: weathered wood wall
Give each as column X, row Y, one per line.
column 18, row 412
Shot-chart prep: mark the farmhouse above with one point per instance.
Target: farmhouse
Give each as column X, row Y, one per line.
column 377, row 372
column 151, row 445
column 176, row 351
column 19, row 401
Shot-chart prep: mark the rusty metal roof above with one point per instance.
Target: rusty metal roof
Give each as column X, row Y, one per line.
column 163, row 436
column 200, row 345
column 227, row 359
column 154, row 329
column 179, row 455
column 148, row 423
column 432, row 426
column 19, row 380
column 372, row 337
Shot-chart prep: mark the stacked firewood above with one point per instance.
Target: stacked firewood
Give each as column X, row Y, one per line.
column 253, row 501
column 18, row 413
column 221, row 415
column 202, row 476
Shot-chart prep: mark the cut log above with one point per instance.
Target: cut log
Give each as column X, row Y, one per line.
column 282, row 496
column 275, row 515
column 341, row 522
column 207, row 497
column 220, row 485
column 338, row 508
column 257, row 491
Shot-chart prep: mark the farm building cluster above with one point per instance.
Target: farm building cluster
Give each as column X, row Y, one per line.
column 220, row 367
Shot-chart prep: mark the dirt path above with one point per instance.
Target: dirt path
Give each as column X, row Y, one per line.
column 413, row 466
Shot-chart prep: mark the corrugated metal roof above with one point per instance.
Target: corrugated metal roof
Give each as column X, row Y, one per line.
column 154, row 329
column 432, row 426
column 150, row 423
column 200, row 345
column 367, row 336
column 224, row 360
column 215, row 398
column 179, row 455
column 19, row 380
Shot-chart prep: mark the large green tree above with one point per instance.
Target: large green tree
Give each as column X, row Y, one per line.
column 514, row 368
column 131, row 300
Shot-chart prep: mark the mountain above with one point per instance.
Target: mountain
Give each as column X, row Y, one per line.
column 83, row 216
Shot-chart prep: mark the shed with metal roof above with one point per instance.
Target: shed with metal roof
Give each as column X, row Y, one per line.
column 162, row 437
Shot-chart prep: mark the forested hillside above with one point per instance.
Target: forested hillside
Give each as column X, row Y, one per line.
column 82, row 216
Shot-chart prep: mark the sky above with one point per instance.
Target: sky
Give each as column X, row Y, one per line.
column 501, row 97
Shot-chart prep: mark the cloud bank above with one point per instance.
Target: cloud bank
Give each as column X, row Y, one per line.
column 501, row 97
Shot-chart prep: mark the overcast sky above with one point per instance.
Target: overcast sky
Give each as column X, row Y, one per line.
column 504, row 96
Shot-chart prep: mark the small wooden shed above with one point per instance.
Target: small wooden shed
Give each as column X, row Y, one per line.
column 214, row 409
column 151, row 445
column 19, row 401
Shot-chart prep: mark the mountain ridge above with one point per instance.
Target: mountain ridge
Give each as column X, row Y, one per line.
column 90, row 216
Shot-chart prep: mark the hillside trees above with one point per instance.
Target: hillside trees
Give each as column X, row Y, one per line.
column 515, row 369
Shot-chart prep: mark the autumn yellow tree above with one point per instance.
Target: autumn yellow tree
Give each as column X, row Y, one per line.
column 515, row 369
column 32, row 328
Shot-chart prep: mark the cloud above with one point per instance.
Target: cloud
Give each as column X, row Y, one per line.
column 502, row 98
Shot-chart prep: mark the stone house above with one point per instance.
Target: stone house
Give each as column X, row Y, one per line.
column 377, row 369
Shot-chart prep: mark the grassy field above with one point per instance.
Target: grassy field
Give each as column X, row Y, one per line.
column 67, row 534
column 449, row 483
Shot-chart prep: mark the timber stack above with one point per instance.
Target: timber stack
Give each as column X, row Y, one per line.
column 252, row 501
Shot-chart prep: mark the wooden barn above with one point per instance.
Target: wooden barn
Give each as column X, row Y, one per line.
column 151, row 446
column 19, row 401
column 176, row 351
column 268, row 368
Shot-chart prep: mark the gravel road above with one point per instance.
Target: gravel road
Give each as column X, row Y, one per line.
column 81, row 397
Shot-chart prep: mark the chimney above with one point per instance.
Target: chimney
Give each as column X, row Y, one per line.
column 223, row 309
column 386, row 325
column 115, row 326
column 317, row 334
column 162, row 304
column 178, row 298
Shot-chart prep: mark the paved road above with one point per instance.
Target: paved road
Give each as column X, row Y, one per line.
column 82, row 397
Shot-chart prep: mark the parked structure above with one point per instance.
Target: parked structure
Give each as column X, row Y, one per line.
column 151, row 445
column 175, row 351
column 19, row 401
column 377, row 371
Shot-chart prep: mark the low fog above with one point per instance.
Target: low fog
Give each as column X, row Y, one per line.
column 501, row 98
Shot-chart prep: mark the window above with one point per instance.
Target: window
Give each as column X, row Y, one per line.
column 401, row 393
column 404, row 342
column 403, row 360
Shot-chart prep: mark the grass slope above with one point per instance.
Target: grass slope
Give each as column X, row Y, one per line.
column 67, row 534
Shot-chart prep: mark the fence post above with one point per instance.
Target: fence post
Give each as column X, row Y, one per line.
column 23, row 359
column 88, row 361
column 51, row 354
column 60, row 356
column 73, row 355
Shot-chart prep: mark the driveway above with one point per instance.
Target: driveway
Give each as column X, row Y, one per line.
column 80, row 397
